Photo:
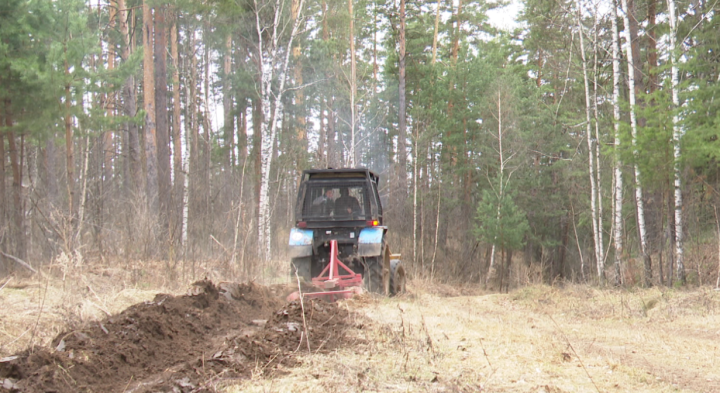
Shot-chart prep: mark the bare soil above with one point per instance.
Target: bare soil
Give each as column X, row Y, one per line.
column 192, row 343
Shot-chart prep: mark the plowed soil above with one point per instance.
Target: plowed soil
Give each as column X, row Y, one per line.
column 192, row 343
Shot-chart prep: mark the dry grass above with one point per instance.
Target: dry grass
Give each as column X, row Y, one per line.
column 436, row 338
column 535, row 339
column 71, row 292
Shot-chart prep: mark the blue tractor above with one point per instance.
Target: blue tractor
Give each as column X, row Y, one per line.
column 339, row 217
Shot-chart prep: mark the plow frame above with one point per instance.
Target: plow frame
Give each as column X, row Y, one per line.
column 336, row 275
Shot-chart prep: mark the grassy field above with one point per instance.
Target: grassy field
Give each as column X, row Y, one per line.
column 535, row 339
column 442, row 338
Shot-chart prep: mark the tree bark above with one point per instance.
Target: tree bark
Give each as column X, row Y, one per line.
column 108, row 149
column 639, row 204
column 301, row 122
column 677, row 136
column 591, row 149
column 272, row 108
column 353, row 84
column 435, row 32
column 632, row 27
column 151, row 177
column 617, row 214
column 161, row 118
column 3, row 221
column 402, row 116
column 652, row 46
column 176, row 228
column 18, row 227
column 69, row 156
column 242, row 131
column 130, row 109
column 229, row 123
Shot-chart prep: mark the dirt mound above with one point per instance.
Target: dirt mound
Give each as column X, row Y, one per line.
column 179, row 344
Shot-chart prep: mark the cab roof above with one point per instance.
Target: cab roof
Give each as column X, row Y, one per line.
column 330, row 173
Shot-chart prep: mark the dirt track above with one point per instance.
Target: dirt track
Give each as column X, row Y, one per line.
column 191, row 343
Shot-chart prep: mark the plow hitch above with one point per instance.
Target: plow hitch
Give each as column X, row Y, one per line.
column 336, row 281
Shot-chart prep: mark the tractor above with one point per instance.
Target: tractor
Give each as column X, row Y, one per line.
column 339, row 241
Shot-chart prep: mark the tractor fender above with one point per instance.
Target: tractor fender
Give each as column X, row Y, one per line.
column 300, row 243
column 370, row 241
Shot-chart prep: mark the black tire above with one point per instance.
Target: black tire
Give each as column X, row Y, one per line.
column 372, row 276
column 397, row 278
column 302, row 266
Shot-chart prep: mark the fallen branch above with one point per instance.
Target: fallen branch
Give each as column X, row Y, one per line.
column 6, row 283
column 19, row 261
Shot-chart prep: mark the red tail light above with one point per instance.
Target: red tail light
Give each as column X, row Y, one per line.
column 302, row 224
column 373, row 223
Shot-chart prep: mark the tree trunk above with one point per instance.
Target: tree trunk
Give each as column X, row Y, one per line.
column 301, row 122
column 151, row 177
column 402, row 116
column 108, row 150
column 194, row 203
column 617, row 214
column 18, row 227
column 130, row 109
column 596, row 118
column 3, row 221
column 677, row 136
column 229, row 123
column 353, row 82
column 652, row 46
column 591, row 149
column 639, row 204
column 631, row 27
column 242, row 131
column 176, row 225
column 272, row 115
column 162, row 126
column 435, row 33
column 257, row 118
column 69, row 156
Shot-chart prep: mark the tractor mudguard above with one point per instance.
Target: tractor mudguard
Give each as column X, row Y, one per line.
column 370, row 241
column 300, row 242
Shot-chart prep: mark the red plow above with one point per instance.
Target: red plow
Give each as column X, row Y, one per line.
column 335, row 282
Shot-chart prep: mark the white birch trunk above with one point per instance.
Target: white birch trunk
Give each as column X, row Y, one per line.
column 617, row 213
column 415, row 199
column 597, row 138
column 677, row 135
column 500, row 190
column 591, row 151
column 353, row 84
column 437, row 230
column 272, row 116
column 633, row 126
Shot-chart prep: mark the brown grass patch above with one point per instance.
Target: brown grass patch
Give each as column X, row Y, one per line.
column 535, row 339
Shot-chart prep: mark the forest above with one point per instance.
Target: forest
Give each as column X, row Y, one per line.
column 580, row 145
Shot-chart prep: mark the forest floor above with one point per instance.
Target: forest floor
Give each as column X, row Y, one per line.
column 103, row 336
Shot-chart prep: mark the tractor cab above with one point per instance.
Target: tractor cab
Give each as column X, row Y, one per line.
column 338, row 197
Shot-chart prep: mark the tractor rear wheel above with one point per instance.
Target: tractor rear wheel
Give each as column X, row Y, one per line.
column 301, row 266
column 372, row 276
column 397, row 278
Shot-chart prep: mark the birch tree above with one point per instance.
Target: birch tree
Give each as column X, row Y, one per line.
column 677, row 135
column 639, row 205
column 274, row 59
column 618, row 179
column 591, row 151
